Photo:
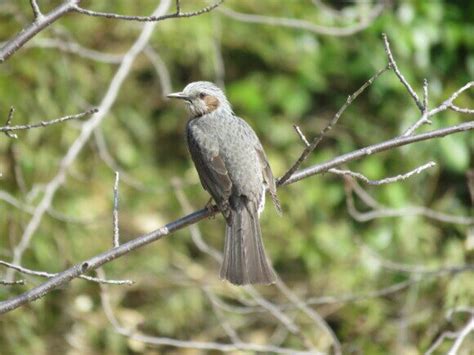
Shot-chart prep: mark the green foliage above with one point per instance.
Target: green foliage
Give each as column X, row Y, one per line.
column 275, row 77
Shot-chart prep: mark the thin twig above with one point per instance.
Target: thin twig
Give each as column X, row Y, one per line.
column 11, row 283
column 425, row 115
column 425, row 95
column 301, row 135
column 387, row 180
column 9, row 128
column 178, row 7
column 458, row 337
column 49, row 275
column 448, row 104
column 393, row 65
column 177, row 14
column 116, row 240
column 310, row 148
column 9, row 122
column 36, row 10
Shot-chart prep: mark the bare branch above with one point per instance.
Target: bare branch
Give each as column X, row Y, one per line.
column 34, row 28
column 458, row 337
column 425, row 115
column 301, row 135
column 8, row 128
column 388, row 180
column 116, row 240
column 49, row 275
column 306, row 25
column 448, row 104
column 36, row 10
column 8, row 123
column 68, row 6
column 10, row 283
column 310, row 148
column 393, row 65
column 425, row 95
column 177, row 14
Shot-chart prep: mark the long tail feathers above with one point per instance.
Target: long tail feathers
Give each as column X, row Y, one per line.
column 245, row 261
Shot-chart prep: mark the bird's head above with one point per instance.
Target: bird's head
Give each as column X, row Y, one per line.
column 203, row 97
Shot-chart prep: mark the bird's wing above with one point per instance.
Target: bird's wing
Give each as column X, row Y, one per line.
column 268, row 176
column 212, row 171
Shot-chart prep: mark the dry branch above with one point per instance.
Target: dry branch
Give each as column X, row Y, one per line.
column 42, row 21
column 8, row 128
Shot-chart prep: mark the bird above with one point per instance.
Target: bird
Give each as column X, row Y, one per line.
column 234, row 169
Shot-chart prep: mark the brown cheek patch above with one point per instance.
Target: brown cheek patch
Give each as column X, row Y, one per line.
column 212, row 103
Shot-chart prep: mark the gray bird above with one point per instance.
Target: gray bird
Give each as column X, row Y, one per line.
column 234, row 169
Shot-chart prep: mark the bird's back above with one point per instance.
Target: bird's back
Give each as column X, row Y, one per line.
column 235, row 142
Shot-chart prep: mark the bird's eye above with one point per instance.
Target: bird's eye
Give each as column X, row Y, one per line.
column 202, row 95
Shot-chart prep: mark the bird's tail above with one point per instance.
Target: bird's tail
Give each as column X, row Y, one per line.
column 245, row 261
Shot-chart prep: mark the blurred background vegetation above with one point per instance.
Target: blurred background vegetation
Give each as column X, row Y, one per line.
column 274, row 77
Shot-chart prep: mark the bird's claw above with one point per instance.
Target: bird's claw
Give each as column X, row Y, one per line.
column 210, row 207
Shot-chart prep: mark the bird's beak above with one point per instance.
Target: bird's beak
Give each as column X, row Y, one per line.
column 177, row 95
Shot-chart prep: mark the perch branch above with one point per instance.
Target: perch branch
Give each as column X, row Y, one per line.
column 125, row 248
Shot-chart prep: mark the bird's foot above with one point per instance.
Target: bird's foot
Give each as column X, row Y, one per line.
column 210, row 207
